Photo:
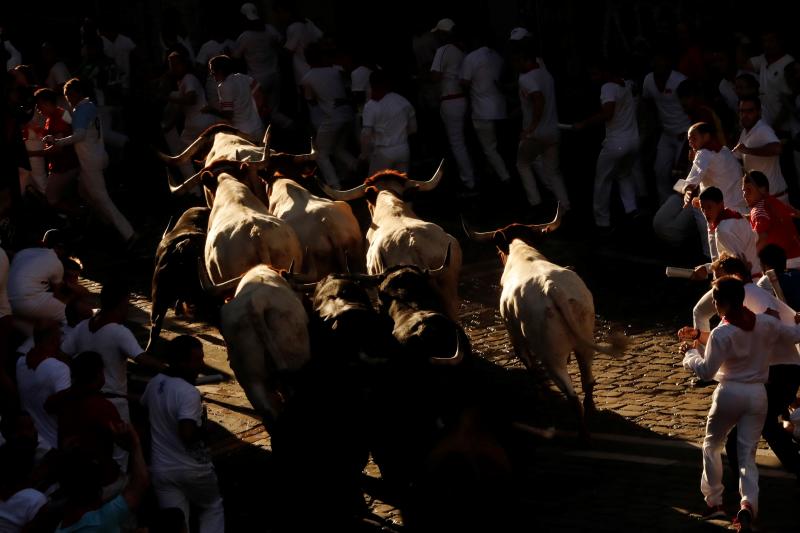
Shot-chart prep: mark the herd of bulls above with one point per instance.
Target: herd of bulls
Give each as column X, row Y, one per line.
column 347, row 348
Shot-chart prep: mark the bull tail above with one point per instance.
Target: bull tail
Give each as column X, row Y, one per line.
column 617, row 342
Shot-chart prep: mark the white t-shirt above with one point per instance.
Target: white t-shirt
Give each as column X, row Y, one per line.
column 211, row 49
column 539, row 80
column 120, row 51
column 482, row 69
column 622, row 128
column 114, row 342
column 170, row 400
column 17, row 511
column 735, row 237
column 773, row 88
column 236, row 94
column 35, row 387
column 58, row 75
column 359, row 81
column 33, row 271
column 5, row 306
column 389, row 118
column 447, row 61
column 194, row 119
column 759, row 135
column 721, row 170
column 674, row 120
column 299, row 35
column 258, row 48
column 324, row 85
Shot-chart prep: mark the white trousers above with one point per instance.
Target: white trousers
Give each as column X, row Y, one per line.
column 331, row 140
column 485, row 131
column 673, row 224
column 119, row 455
column 536, row 156
column 110, row 137
column 668, row 151
column 43, row 306
column 614, row 163
column 743, row 405
column 92, row 186
column 389, row 157
column 183, row 488
column 453, row 113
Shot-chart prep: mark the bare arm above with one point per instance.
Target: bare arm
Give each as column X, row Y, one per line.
column 149, row 361
column 605, row 114
column 537, row 98
column 768, row 150
column 189, row 432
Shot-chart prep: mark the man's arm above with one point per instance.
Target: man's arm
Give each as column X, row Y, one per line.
column 768, row 150
column 189, row 432
column 537, row 99
column 705, row 366
column 138, row 476
column 150, row 362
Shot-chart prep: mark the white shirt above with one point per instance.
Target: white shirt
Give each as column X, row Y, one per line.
column 359, row 81
column 482, row 69
column 727, row 89
column 674, row 120
column 447, row 61
column 773, row 88
column 33, row 271
column 736, row 237
column 759, row 135
column 258, row 48
column 194, row 119
column 236, row 94
column 22, row 507
column 325, row 87
column 211, row 49
column 170, row 400
column 389, row 119
column 35, row 387
column 5, row 306
column 721, row 170
column 120, row 51
column 58, row 75
column 298, row 36
column 733, row 354
column 539, row 80
column 622, row 129
column 114, row 342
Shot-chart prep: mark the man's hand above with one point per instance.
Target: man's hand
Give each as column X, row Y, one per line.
column 741, row 148
column 700, row 273
column 51, row 149
column 48, row 139
column 125, row 436
column 688, row 334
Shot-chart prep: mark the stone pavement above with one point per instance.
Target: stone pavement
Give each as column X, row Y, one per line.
column 642, row 470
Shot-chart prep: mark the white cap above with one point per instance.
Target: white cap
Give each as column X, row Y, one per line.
column 249, row 11
column 517, row 34
column 444, row 25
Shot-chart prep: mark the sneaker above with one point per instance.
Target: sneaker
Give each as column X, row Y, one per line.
column 714, row 512
column 744, row 519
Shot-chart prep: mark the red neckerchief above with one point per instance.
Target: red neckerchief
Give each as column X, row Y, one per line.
column 725, row 214
column 742, row 318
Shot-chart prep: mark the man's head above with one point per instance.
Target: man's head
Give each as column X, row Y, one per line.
column 711, row 203
column 746, row 84
column 379, row 84
column 74, row 91
column 755, row 187
column 178, row 64
column 728, row 294
column 47, row 337
column 55, row 240
column 662, row 62
column 772, row 257
column 771, row 43
column 49, row 54
column 730, row 265
column 186, row 356
column 690, row 94
column 444, row 29
column 114, row 299
column 87, row 371
column 220, row 67
column 46, row 101
column 749, row 111
column 700, row 134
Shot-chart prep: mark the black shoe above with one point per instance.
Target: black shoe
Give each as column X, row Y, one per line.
column 714, row 512
column 744, row 519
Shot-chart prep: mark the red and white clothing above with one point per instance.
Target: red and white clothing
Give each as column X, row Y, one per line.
column 388, row 122
column 120, row 51
column 760, row 135
column 35, row 386
column 57, row 76
column 299, row 35
column 732, row 235
column 773, row 217
column 738, row 357
column 260, row 52
column 212, row 48
column 721, row 170
column 236, row 95
column 195, row 121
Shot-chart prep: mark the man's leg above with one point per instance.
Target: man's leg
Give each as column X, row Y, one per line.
column 672, row 223
column 749, row 431
column 626, row 182
column 546, row 167
column 722, row 416
column 168, row 487
column 341, row 152
column 326, row 143
column 665, row 162
column 453, row 113
column 606, row 165
column 44, row 306
column 781, row 391
column 526, row 154
column 202, row 491
column 93, row 188
column 485, row 131
column 702, row 229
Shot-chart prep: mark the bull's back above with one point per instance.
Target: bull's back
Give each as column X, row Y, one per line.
column 410, row 241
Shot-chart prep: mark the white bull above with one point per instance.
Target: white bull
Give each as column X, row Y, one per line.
column 398, row 236
column 548, row 310
column 265, row 328
column 327, row 230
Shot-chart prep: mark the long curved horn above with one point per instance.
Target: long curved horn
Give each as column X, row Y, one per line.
column 344, row 196
column 454, row 359
column 446, row 263
column 265, row 139
column 478, row 236
column 184, row 156
column 311, row 156
column 211, row 287
column 166, row 230
column 553, row 224
column 431, row 183
column 182, row 188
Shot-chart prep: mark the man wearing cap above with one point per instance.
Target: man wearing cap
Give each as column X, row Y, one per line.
column 35, row 278
column 446, row 69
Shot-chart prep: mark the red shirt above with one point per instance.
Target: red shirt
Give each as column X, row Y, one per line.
column 773, row 217
column 66, row 159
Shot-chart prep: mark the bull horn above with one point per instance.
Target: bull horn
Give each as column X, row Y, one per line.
column 431, row 184
column 265, row 140
column 211, row 287
column 347, row 262
column 184, row 156
column 311, row 156
column 553, row 224
column 344, row 196
column 455, row 359
column 446, row 263
column 166, row 230
column 367, row 278
column 478, row 236
column 182, row 188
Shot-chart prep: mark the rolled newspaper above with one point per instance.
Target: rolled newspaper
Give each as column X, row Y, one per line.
column 675, row 272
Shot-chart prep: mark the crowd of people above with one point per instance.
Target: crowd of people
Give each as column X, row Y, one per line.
column 727, row 129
